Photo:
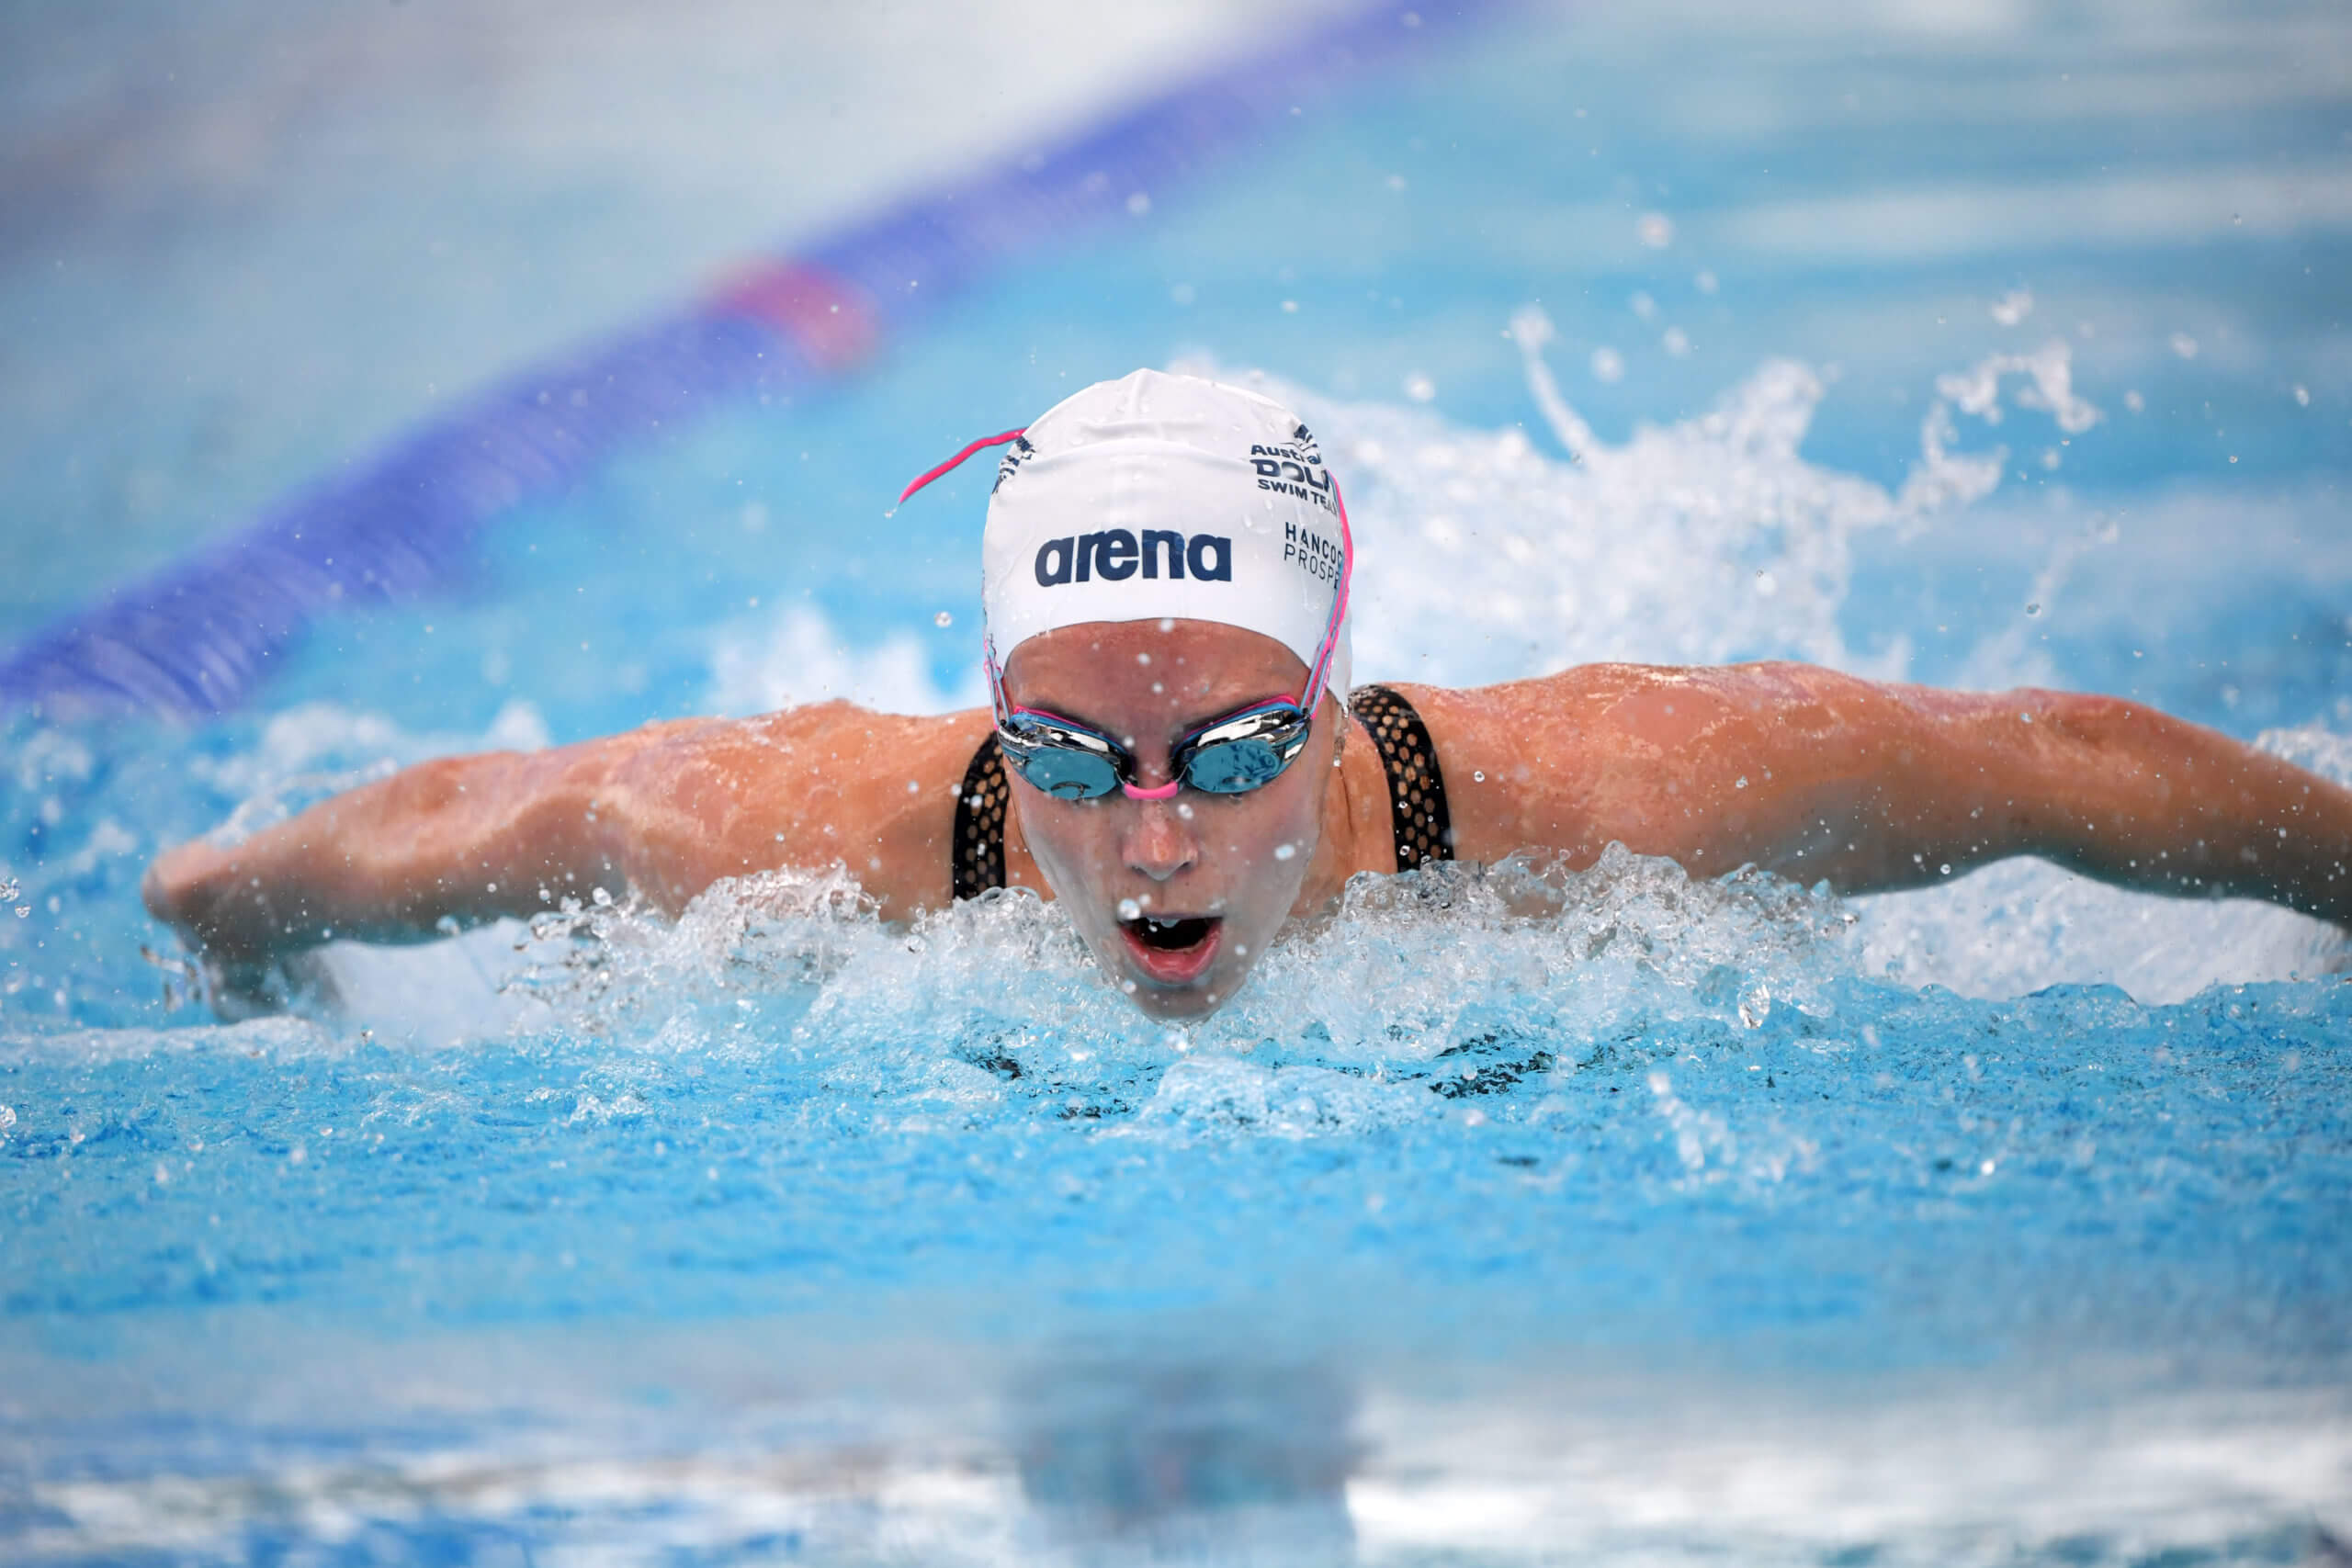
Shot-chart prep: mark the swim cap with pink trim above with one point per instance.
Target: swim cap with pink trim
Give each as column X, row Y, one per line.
column 1159, row 495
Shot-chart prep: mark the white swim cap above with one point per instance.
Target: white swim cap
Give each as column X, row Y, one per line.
column 1159, row 495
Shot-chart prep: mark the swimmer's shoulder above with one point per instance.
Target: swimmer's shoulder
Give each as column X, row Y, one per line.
column 802, row 788
column 1556, row 760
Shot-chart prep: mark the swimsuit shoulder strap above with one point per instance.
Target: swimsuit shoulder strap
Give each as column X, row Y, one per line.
column 1416, row 785
column 977, row 857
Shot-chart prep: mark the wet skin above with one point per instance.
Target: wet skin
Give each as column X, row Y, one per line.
column 1819, row 776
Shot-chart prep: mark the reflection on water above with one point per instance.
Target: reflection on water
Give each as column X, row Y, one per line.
column 1219, row 1462
column 727, row 1445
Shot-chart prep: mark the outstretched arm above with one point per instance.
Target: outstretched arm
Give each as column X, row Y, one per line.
column 1818, row 775
column 665, row 810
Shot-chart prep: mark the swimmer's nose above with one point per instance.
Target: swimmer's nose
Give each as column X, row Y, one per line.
column 1158, row 844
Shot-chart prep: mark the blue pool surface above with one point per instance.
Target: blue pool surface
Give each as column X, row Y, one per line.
column 1527, row 1215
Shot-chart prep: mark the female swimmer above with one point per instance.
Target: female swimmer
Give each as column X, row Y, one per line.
column 1166, row 565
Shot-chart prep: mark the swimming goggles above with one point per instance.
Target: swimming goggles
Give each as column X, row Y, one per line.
column 1232, row 755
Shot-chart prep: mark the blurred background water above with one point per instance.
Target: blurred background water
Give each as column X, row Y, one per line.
column 2004, row 1222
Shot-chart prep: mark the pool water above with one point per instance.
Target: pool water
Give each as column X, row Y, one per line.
column 1515, row 1215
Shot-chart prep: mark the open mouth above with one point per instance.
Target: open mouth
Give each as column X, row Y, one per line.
column 1173, row 951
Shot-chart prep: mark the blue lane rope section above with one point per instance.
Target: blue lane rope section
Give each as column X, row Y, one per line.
column 200, row 637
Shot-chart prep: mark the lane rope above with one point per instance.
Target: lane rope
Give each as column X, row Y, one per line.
column 201, row 636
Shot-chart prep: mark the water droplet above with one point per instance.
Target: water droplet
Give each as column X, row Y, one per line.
column 2034, row 609
column 1740, row 782
column 1478, row 775
column 942, row 619
column 1130, row 910
column 1946, row 868
column 23, row 910
column 1285, row 851
column 2303, row 396
column 1608, row 365
column 1654, row 230
column 1290, row 307
column 1419, row 387
column 600, row 898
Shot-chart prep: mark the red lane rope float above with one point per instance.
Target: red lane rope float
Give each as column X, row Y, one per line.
column 831, row 320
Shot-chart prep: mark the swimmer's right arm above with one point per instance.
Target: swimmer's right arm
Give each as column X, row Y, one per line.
column 664, row 811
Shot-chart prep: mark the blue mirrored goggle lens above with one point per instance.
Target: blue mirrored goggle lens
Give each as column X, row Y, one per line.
column 1235, row 767
column 1064, row 772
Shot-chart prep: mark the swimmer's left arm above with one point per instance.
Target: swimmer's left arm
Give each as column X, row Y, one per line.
column 1874, row 786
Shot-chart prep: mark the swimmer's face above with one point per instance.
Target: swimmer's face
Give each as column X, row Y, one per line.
column 1204, row 880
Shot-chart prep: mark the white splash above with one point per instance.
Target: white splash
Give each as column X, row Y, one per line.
column 315, row 749
column 1977, row 391
column 1481, row 558
column 801, row 656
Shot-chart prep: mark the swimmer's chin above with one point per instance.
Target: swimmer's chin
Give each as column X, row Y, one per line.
column 1178, row 1006
column 1173, row 1004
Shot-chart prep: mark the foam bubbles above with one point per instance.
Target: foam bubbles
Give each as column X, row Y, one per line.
column 1448, row 982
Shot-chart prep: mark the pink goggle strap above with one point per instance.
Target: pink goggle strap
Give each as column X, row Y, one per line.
column 1321, row 673
column 930, row 474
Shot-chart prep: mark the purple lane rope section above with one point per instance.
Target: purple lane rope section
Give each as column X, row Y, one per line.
column 200, row 637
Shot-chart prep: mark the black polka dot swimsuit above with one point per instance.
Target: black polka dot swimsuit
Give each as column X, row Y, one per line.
column 1415, row 795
